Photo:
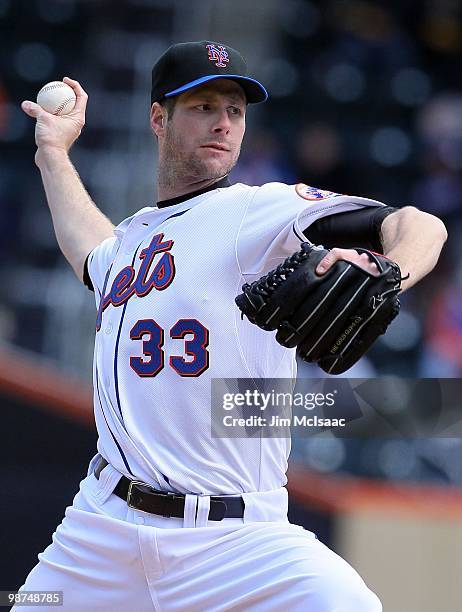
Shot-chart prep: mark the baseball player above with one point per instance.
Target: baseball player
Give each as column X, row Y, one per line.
column 168, row 517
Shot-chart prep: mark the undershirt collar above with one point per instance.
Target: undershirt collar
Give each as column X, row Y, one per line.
column 224, row 182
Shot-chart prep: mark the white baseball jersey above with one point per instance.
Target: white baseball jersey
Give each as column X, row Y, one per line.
column 167, row 324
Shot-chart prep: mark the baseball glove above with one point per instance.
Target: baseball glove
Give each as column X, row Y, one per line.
column 332, row 319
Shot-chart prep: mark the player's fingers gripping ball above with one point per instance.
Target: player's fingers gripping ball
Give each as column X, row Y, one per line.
column 57, row 98
column 332, row 319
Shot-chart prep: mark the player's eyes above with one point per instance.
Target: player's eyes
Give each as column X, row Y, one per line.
column 234, row 110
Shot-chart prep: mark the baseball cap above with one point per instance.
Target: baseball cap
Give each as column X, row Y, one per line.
column 187, row 65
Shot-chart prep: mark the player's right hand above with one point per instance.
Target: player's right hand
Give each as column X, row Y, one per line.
column 336, row 254
column 58, row 132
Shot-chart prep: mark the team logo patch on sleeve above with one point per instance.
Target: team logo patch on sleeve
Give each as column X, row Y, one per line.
column 313, row 193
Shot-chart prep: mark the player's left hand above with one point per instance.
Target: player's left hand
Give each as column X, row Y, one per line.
column 336, row 254
column 331, row 318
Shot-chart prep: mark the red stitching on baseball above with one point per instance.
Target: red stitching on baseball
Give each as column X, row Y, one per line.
column 62, row 105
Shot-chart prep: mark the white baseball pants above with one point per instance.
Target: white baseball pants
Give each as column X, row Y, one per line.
column 108, row 557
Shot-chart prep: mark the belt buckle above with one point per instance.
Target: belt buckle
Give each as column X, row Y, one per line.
column 130, row 491
column 167, row 498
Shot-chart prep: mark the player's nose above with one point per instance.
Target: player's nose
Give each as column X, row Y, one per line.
column 223, row 122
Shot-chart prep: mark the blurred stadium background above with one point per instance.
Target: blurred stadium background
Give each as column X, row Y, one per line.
column 365, row 98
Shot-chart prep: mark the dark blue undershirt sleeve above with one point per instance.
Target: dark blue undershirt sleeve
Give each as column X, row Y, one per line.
column 355, row 228
column 86, row 276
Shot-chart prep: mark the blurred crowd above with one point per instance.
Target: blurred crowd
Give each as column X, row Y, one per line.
column 365, row 98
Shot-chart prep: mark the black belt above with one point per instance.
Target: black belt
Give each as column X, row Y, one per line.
column 141, row 496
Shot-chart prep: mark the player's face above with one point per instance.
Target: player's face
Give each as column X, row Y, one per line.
column 202, row 141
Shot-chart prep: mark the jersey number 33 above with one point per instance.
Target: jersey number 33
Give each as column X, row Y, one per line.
column 127, row 283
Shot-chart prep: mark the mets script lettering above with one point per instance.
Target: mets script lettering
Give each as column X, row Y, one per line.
column 126, row 284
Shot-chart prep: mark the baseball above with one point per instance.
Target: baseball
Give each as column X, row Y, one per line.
column 56, row 98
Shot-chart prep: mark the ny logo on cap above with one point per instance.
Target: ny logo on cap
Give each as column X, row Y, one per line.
column 218, row 54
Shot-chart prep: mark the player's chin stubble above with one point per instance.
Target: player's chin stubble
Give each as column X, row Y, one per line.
column 177, row 165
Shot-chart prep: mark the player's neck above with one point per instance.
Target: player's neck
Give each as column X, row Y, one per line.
column 221, row 183
column 167, row 191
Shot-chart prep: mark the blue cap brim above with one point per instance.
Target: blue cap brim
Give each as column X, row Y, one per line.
column 254, row 91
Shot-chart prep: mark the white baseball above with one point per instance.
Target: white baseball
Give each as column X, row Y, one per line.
column 56, row 98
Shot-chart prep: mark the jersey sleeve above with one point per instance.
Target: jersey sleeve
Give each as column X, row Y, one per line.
column 99, row 262
column 276, row 217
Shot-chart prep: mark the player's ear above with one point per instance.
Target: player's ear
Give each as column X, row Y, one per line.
column 158, row 119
